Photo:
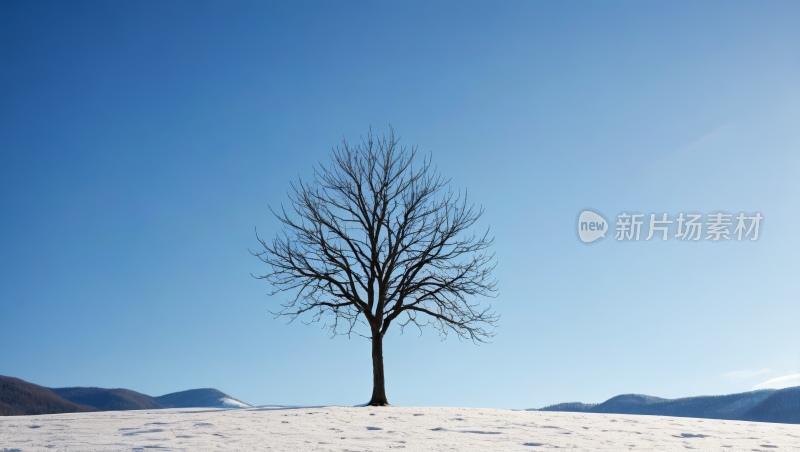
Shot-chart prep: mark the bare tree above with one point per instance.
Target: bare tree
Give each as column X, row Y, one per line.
column 375, row 239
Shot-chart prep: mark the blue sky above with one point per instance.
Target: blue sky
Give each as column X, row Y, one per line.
column 142, row 142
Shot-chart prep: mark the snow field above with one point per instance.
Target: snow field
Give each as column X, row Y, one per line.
column 380, row 429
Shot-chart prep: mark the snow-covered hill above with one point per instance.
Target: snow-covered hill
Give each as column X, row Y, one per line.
column 385, row 428
column 207, row 397
column 233, row 403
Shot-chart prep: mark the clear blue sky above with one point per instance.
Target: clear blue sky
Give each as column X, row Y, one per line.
column 142, row 142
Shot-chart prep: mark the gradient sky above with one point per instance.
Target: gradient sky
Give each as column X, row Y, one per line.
column 142, row 142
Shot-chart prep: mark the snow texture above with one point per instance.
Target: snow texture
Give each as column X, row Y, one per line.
column 381, row 428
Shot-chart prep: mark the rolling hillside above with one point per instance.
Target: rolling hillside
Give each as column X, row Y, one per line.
column 200, row 398
column 108, row 399
column 767, row 405
column 628, row 404
column 732, row 406
column 18, row 397
column 574, row 407
column 781, row 406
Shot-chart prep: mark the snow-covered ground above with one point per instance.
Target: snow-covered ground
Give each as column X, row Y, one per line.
column 379, row 429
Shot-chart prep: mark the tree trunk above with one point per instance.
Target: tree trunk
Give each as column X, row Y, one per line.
column 378, row 382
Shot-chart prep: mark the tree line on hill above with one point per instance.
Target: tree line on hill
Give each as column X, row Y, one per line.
column 18, row 397
column 765, row 405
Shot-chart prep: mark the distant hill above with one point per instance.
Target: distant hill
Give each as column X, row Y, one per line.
column 18, row 397
column 743, row 406
column 732, row 406
column 627, row 404
column 576, row 407
column 200, row 398
column 125, row 399
column 109, row 399
column 781, row 406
